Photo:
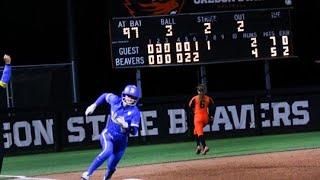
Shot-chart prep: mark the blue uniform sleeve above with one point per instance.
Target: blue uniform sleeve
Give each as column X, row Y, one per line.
column 5, row 76
column 106, row 97
column 135, row 123
column 101, row 99
column 111, row 98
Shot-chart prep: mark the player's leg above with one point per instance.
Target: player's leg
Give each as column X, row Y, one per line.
column 197, row 140
column 113, row 162
column 107, row 150
column 204, row 122
column 197, row 127
column 204, row 145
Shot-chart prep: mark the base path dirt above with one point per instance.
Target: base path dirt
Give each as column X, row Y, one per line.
column 303, row 164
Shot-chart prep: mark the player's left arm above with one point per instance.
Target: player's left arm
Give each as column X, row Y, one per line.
column 6, row 72
column 211, row 103
column 135, row 123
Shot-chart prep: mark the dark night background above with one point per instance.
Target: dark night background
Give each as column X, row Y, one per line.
column 35, row 32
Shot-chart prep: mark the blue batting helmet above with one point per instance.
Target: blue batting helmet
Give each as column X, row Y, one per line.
column 130, row 95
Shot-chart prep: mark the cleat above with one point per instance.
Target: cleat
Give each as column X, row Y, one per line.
column 85, row 176
column 198, row 150
column 205, row 150
column 108, row 175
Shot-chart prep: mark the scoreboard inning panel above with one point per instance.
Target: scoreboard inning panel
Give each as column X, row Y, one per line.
column 201, row 38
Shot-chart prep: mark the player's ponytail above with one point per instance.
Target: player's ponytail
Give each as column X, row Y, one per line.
column 201, row 93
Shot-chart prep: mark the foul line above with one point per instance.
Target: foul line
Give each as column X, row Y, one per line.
column 21, row 177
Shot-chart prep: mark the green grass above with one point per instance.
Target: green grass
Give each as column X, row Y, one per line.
column 30, row 165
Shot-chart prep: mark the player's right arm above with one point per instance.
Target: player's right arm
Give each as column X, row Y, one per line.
column 6, row 72
column 105, row 97
column 191, row 101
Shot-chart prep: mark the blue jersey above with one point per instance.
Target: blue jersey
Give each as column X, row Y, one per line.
column 5, row 76
column 130, row 114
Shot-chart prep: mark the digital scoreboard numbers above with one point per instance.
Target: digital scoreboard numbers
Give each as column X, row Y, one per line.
column 201, row 38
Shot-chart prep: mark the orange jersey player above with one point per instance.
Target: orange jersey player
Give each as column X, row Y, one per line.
column 201, row 103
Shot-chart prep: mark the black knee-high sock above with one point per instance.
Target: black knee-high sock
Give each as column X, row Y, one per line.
column 202, row 141
column 197, row 140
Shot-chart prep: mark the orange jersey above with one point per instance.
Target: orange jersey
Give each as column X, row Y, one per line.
column 201, row 107
column 201, row 112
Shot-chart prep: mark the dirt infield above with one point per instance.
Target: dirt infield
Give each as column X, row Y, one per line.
column 303, row 164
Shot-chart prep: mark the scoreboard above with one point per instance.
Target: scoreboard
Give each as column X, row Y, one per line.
column 201, row 38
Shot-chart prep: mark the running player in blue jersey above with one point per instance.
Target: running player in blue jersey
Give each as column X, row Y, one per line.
column 5, row 78
column 124, row 119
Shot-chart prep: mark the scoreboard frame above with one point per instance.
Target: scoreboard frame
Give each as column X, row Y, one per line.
column 237, row 35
